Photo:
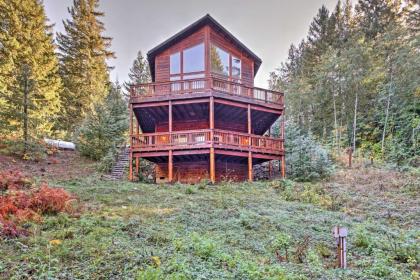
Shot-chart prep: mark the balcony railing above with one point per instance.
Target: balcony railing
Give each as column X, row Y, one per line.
column 195, row 139
column 206, row 84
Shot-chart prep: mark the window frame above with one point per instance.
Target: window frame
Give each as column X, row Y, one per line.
column 231, row 56
column 180, row 76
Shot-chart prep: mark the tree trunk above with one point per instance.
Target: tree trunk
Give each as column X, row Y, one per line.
column 390, row 90
column 25, row 108
column 356, row 100
column 335, row 123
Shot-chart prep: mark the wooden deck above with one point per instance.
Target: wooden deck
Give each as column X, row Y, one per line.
column 201, row 139
column 204, row 87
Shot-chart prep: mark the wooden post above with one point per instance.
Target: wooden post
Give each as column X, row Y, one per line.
column 283, row 167
column 170, row 156
column 283, row 157
column 270, row 166
column 340, row 234
column 250, row 175
column 170, row 167
column 138, row 156
column 130, row 173
column 138, row 166
column 212, row 155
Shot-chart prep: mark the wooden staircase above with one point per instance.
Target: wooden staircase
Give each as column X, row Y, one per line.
column 120, row 166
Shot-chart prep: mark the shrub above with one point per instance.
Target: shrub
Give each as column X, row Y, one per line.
column 306, row 159
column 13, row 180
column 48, row 200
column 105, row 128
column 20, row 206
column 203, row 247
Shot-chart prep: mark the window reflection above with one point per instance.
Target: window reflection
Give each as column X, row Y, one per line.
column 175, row 63
column 219, row 61
column 194, row 59
column 236, row 67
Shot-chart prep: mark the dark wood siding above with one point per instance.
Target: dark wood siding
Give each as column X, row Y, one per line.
column 162, row 60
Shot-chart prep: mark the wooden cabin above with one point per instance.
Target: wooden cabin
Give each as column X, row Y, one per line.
column 201, row 118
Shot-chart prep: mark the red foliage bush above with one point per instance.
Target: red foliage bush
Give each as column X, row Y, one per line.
column 48, row 200
column 13, row 180
column 11, row 230
column 18, row 206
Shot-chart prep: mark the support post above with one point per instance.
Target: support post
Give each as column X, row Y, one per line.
column 170, row 156
column 170, row 167
column 270, row 165
column 212, row 155
column 130, row 173
column 250, row 175
column 283, row 157
column 283, row 167
column 138, row 167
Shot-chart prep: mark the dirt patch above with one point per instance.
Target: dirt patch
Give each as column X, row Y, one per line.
column 63, row 165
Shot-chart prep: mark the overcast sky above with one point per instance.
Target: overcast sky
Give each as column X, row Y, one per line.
column 267, row 27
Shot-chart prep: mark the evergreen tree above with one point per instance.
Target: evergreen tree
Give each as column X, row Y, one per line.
column 29, row 80
column 139, row 72
column 83, row 68
column 354, row 82
column 374, row 16
column 104, row 128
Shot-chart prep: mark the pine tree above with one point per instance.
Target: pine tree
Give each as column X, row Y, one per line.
column 105, row 127
column 83, row 67
column 139, row 72
column 29, row 81
column 374, row 16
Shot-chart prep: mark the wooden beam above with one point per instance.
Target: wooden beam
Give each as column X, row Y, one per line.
column 212, row 156
column 283, row 167
column 270, row 166
column 170, row 167
column 250, row 175
column 170, row 117
column 130, row 173
column 156, row 104
column 191, row 152
column 191, row 101
column 138, row 166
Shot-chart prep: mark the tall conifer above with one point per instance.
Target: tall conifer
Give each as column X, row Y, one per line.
column 83, row 53
column 139, row 72
column 29, row 80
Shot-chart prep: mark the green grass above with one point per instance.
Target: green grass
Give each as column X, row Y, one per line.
column 230, row 231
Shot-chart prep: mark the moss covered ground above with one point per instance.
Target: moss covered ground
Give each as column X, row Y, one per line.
column 229, row 231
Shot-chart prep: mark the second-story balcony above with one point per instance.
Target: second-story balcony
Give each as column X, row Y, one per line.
column 205, row 85
column 199, row 139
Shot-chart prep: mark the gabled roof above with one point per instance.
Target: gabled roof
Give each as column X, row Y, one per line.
column 206, row 20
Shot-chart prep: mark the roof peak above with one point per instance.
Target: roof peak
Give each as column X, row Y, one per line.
column 207, row 19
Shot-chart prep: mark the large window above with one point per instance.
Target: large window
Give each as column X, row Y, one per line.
column 236, row 67
column 175, row 63
column 193, row 59
column 192, row 62
column 221, row 61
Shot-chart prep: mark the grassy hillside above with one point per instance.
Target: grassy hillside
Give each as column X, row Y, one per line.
column 230, row 231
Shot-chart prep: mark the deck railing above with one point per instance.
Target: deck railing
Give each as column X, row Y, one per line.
column 202, row 138
column 206, row 84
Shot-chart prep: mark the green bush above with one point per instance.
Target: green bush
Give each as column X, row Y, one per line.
column 104, row 128
column 202, row 246
column 306, row 159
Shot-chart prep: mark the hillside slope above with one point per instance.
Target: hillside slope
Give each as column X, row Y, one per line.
column 228, row 231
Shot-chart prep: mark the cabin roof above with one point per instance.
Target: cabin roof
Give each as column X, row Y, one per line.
column 206, row 20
